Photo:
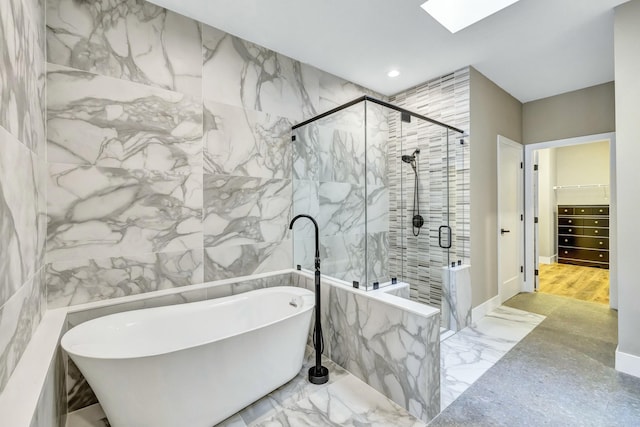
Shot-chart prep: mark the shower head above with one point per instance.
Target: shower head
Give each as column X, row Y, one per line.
column 409, row 159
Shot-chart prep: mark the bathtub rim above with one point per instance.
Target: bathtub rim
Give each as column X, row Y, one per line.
column 302, row 292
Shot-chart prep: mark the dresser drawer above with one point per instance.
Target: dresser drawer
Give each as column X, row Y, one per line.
column 600, row 210
column 582, row 210
column 595, row 222
column 589, row 231
column 584, row 242
column 583, row 254
column 570, row 221
column 565, row 210
column 568, row 230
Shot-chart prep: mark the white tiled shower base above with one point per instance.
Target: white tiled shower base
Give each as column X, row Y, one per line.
column 346, row 400
column 343, row 401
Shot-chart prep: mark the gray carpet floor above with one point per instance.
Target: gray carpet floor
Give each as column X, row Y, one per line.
column 561, row 374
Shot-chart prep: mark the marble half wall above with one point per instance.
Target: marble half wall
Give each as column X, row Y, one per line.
column 394, row 349
column 170, row 156
column 22, row 178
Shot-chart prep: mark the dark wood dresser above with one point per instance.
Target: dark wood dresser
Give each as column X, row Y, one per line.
column 583, row 235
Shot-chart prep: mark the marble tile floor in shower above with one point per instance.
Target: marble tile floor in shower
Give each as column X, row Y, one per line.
column 343, row 401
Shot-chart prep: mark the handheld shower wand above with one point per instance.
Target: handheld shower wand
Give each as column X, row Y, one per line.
column 417, row 220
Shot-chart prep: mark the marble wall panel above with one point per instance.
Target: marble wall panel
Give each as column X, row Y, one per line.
column 19, row 317
column 246, row 143
column 342, row 208
column 244, row 210
column 306, row 152
column 377, row 258
column 20, row 240
column 243, row 74
column 110, row 122
column 128, row 39
column 86, row 280
column 343, row 257
column 97, row 212
column 377, row 208
column 228, row 261
column 393, row 350
column 22, row 66
column 335, row 91
column 305, row 201
column 341, row 155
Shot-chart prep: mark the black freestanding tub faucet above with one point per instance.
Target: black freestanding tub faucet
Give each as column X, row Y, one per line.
column 317, row 374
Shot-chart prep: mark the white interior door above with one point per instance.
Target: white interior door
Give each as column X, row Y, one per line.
column 510, row 217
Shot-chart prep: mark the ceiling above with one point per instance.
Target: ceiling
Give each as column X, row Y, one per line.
column 532, row 49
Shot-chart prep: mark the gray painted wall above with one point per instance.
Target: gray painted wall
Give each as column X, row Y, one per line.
column 493, row 112
column 582, row 112
column 627, row 66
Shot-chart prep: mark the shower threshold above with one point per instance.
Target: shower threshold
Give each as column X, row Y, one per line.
column 445, row 333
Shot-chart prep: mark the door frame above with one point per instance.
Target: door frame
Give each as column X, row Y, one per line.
column 530, row 262
column 521, row 244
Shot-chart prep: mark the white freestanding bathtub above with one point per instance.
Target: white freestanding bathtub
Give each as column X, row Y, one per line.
column 193, row 364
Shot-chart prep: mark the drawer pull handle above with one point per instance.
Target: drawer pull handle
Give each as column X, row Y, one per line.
column 570, row 221
column 566, row 252
column 601, row 210
column 581, row 210
column 570, row 230
column 601, row 243
column 601, row 255
column 595, row 222
column 596, row 231
column 566, row 240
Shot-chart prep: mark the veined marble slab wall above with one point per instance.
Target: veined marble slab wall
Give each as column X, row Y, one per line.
column 170, row 155
column 22, row 166
column 394, row 350
column 340, row 177
column 418, row 260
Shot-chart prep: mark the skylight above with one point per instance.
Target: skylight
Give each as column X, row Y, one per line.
column 455, row 15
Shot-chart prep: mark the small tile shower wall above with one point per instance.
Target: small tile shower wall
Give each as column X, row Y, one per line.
column 340, row 177
column 22, row 166
column 445, row 99
column 169, row 150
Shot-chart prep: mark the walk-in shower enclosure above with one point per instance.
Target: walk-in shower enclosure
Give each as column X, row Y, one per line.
column 348, row 172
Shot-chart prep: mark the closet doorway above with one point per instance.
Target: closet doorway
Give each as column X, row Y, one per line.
column 572, row 217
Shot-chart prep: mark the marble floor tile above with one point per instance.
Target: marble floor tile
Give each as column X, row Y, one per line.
column 347, row 402
column 466, row 356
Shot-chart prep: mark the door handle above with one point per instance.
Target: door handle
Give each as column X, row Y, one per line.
column 502, row 231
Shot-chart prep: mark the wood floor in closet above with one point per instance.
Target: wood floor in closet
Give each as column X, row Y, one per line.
column 583, row 283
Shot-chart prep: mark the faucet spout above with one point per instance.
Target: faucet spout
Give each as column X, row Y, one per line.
column 318, row 374
column 315, row 224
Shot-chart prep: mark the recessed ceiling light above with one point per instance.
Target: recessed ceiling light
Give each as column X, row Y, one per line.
column 455, row 15
column 393, row 73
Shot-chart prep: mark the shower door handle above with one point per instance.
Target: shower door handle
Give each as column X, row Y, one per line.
column 447, row 245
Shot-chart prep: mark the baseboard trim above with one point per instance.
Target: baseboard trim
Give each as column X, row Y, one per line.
column 627, row 363
column 488, row 306
column 547, row 259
